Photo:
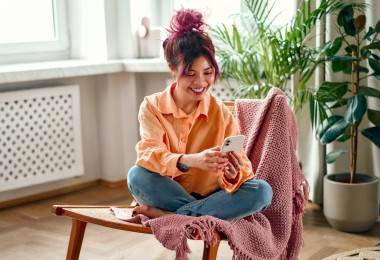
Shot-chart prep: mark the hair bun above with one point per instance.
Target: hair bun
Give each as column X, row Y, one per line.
column 186, row 21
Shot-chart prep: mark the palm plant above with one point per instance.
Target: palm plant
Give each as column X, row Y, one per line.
column 349, row 96
column 259, row 57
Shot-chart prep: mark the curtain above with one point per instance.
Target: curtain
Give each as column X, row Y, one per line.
column 309, row 151
column 373, row 151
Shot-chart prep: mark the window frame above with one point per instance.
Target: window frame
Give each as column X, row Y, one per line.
column 61, row 43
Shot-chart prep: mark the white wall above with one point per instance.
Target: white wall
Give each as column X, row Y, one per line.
column 109, row 105
column 102, row 30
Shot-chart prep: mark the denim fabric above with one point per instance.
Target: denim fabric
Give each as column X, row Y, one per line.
column 150, row 188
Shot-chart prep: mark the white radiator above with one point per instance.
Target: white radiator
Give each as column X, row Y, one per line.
column 40, row 136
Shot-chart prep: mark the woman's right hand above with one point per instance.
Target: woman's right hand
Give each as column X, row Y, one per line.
column 212, row 160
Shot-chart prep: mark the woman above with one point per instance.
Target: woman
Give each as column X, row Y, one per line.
column 180, row 166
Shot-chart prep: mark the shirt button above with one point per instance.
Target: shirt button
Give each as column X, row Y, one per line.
column 183, row 139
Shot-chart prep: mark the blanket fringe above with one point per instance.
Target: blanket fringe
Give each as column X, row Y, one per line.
column 206, row 230
column 238, row 255
column 182, row 249
column 300, row 199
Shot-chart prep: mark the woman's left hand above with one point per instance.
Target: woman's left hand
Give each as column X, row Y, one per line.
column 234, row 165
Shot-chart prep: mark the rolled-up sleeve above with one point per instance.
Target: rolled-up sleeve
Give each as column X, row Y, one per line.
column 153, row 148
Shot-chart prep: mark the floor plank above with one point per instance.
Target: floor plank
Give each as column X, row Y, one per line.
column 30, row 231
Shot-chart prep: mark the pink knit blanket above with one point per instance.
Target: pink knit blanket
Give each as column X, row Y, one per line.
column 276, row 233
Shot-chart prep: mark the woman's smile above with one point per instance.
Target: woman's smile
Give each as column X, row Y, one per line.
column 198, row 91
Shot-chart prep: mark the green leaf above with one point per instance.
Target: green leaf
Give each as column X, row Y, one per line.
column 363, row 69
column 347, row 70
column 376, row 75
column 369, row 92
column 344, row 58
column 375, row 65
column 313, row 114
column 236, row 39
column 331, row 91
column 336, row 44
column 356, row 108
column 339, row 103
column 345, row 136
column 334, row 131
column 351, row 48
column 370, row 32
column 374, row 117
column 377, row 58
column 328, row 122
column 339, row 65
column 373, row 134
column 348, row 22
column 332, row 156
column 372, row 46
column 365, row 53
column 345, row 11
column 377, row 27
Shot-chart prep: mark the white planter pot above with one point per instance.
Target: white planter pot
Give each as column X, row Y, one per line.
column 351, row 207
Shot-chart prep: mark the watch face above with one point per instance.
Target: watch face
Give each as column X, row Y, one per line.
column 183, row 167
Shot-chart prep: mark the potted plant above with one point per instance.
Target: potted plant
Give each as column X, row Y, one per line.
column 350, row 199
column 259, row 56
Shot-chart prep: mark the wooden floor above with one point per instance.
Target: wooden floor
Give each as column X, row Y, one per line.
column 31, row 232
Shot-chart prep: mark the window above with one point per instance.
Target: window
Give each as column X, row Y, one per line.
column 32, row 26
column 217, row 13
column 280, row 14
column 214, row 11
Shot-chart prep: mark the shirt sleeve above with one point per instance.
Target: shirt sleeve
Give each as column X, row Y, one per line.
column 246, row 172
column 152, row 151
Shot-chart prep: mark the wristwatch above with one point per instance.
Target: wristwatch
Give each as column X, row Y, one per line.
column 183, row 167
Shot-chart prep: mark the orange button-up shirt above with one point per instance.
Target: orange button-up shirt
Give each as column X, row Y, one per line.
column 167, row 133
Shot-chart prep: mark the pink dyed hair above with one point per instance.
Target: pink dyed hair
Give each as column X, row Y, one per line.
column 188, row 41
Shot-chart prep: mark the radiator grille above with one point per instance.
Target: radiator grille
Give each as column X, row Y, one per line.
column 40, row 136
column 224, row 93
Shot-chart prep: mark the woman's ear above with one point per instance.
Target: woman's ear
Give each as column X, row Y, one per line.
column 172, row 70
column 171, row 67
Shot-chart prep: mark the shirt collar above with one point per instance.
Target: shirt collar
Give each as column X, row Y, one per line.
column 166, row 104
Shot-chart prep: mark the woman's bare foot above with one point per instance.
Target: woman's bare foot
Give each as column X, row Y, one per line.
column 149, row 211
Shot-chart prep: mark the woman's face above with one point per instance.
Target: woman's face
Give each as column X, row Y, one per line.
column 194, row 85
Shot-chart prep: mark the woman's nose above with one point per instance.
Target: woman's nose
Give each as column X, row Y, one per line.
column 200, row 80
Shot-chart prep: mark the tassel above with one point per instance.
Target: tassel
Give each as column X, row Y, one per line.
column 182, row 249
column 205, row 229
column 300, row 199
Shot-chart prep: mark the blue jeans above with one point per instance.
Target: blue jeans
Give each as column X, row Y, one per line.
column 150, row 188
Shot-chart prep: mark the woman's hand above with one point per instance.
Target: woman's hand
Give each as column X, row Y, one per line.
column 235, row 162
column 212, row 160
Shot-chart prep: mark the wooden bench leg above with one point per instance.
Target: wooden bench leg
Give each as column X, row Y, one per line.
column 76, row 238
column 210, row 252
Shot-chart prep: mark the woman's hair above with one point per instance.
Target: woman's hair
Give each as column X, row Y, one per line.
column 188, row 41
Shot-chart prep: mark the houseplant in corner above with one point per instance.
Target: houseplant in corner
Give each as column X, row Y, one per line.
column 258, row 55
column 350, row 199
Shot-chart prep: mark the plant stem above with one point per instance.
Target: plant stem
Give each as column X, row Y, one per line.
column 354, row 127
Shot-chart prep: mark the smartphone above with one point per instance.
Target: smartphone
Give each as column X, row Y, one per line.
column 233, row 143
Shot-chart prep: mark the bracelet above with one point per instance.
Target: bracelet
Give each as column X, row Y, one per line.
column 183, row 167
